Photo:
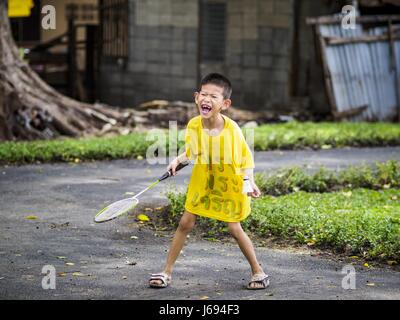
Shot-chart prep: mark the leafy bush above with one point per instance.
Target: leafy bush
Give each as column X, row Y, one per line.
column 382, row 175
column 365, row 222
column 359, row 222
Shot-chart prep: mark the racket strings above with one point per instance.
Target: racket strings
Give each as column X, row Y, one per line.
column 117, row 208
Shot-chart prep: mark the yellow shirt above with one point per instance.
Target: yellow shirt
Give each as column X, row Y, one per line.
column 215, row 188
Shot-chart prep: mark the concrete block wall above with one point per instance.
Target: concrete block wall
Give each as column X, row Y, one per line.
column 163, row 53
column 259, row 38
column 162, row 63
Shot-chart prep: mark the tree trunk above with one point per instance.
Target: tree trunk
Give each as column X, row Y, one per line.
column 31, row 109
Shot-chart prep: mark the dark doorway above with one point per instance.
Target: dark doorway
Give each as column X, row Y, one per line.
column 25, row 30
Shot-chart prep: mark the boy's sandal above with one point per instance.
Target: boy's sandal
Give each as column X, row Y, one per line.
column 163, row 277
column 261, row 279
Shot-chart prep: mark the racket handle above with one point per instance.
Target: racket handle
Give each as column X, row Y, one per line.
column 169, row 173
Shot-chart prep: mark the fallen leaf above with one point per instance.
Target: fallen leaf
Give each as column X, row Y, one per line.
column 31, row 217
column 391, row 262
column 134, row 237
column 366, row 265
column 347, row 194
column 129, row 193
column 124, row 277
column 386, row 186
column 354, row 257
column 296, row 189
column 148, row 209
column 61, row 274
column 371, row 284
column 130, row 263
column 326, row 146
column 139, row 157
column 158, row 208
column 77, row 160
column 204, row 298
column 70, row 263
column 78, row 274
column 143, row 217
column 61, row 257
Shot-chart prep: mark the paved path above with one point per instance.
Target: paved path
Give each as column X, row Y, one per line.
column 65, row 198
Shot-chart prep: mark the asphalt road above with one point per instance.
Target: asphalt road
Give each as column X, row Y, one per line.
column 90, row 259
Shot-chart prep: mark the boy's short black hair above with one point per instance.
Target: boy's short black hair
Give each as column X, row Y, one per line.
column 220, row 81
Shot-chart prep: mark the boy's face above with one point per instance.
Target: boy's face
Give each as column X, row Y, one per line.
column 210, row 100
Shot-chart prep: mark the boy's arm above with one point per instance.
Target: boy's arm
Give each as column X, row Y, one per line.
column 249, row 173
column 174, row 163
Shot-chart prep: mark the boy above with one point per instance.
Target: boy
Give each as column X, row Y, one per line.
column 222, row 178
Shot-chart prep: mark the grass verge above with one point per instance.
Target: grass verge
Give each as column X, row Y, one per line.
column 74, row 150
column 357, row 222
column 293, row 135
column 379, row 176
column 325, row 135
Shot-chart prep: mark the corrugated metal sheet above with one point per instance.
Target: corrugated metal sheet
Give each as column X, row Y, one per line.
column 361, row 73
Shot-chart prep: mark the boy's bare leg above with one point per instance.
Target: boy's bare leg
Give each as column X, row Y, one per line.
column 186, row 224
column 247, row 248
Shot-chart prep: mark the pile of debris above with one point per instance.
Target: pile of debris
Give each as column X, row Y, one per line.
column 158, row 113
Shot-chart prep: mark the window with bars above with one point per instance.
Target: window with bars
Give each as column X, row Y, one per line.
column 212, row 31
column 114, row 21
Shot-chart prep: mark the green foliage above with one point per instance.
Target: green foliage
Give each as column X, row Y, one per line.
column 177, row 206
column 325, row 135
column 362, row 221
column 68, row 150
column 285, row 181
column 293, row 135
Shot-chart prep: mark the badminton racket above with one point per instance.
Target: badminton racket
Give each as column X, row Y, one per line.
column 120, row 207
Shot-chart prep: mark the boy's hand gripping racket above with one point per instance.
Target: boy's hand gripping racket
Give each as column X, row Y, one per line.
column 120, row 207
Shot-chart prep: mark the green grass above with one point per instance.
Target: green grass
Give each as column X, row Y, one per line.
column 68, row 150
column 358, row 222
column 294, row 135
column 380, row 176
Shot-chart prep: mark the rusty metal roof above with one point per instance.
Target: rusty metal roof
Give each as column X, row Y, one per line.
column 363, row 73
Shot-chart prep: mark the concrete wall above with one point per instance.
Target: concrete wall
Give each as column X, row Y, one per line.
column 258, row 52
column 163, row 59
column 269, row 67
column 309, row 79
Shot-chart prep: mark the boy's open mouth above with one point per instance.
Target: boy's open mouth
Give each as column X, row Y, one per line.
column 205, row 109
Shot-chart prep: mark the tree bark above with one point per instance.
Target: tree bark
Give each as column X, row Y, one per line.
column 31, row 109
